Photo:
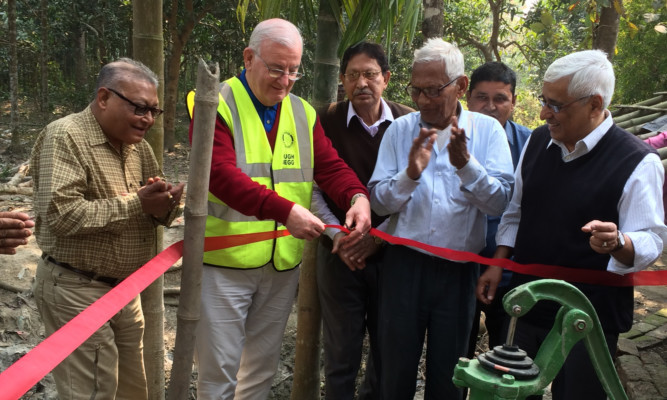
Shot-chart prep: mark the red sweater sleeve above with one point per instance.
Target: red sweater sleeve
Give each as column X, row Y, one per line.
column 332, row 174
column 229, row 184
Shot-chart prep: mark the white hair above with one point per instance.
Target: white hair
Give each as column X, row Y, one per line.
column 275, row 30
column 436, row 49
column 590, row 71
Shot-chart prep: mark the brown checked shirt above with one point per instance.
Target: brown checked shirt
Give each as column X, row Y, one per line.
column 88, row 213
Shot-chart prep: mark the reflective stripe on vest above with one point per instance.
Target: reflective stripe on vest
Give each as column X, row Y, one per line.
column 287, row 170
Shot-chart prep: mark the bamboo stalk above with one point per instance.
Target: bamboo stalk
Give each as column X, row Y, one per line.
column 623, row 118
column 306, row 384
column 648, row 102
column 636, row 123
column 636, row 107
column 196, row 209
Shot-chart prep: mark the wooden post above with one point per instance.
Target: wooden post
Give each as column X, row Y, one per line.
column 196, row 210
column 306, row 384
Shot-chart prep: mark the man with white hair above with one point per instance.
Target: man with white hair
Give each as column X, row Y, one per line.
column 439, row 172
column 268, row 149
column 587, row 196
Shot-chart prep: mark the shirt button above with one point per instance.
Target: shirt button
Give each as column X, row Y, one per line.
column 439, row 174
column 436, row 201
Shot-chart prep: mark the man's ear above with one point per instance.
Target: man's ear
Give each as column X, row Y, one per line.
column 461, row 86
column 248, row 56
column 102, row 97
column 597, row 104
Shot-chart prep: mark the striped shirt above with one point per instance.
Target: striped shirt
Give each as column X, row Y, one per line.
column 88, row 213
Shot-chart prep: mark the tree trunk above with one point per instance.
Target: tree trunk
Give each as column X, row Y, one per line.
column 147, row 43
column 171, row 92
column 43, row 57
column 178, row 38
column 606, row 34
column 326, row 62
column 81, row 68
column 433, row 22
column 306, row 384
column 13, row 75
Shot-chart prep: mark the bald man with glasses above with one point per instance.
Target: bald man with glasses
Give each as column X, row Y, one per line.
column 99, row 196
column 439, row 172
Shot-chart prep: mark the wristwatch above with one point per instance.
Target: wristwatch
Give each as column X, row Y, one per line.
column 620, row 239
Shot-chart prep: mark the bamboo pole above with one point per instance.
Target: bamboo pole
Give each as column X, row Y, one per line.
column 196, row 208
column 620, row 118
column 636, row 122
column 648, row 102
column 148, row 47
column 306, row 384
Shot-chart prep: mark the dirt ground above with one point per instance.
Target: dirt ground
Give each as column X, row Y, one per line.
column 20, row 325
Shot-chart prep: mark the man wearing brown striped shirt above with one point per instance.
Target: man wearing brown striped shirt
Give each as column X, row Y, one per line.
column 98, row 198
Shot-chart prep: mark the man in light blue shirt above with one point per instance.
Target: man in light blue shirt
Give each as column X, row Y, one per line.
column 439, row 172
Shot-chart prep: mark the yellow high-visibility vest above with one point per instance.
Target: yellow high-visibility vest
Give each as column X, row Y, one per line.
column 288, row 170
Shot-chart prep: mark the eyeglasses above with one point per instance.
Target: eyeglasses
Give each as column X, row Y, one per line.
column 139, row 109
column 368, row 75
column 556, row 109
column 276, row 73
column 430, row 92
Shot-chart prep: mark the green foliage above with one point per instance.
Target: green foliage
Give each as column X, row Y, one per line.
column 641, row 65
column 83, row 35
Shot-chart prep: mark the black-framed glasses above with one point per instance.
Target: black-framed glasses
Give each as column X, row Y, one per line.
column 430, row 92
column 368, row 75
column 556, row 109
column 139, row 109
column 276, row 73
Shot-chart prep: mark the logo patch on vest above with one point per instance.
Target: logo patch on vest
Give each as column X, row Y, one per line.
column 288, row 139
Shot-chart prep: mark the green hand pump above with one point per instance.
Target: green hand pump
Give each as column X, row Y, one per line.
column 506, row 372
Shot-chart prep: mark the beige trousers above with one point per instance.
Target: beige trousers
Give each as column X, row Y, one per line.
column 243, row 318
column 109, row 365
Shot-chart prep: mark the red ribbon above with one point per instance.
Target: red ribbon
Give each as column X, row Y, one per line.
column 27, row 371
column 604, row 278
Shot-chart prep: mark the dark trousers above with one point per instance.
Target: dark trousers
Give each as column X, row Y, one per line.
column 348, row 301
column 577, row 379
column 423, row 295
column 496, row 322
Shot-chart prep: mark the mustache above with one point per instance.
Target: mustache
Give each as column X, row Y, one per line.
column 362, row 91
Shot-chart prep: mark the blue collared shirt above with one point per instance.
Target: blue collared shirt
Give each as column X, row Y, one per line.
column 445, row 207
column 517, row 136
column 266, row 114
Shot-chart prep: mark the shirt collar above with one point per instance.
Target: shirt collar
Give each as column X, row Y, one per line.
column 589, row 141
column 97, row 135
column 386, row 115
column 461, row 115
column 261, row 108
